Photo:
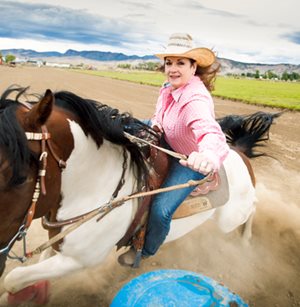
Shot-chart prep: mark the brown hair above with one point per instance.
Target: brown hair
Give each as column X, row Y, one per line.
column 206, row 74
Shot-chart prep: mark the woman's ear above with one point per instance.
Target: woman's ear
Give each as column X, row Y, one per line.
column 194, row 67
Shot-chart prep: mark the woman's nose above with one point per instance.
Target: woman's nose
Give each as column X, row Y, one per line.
column 173, row 67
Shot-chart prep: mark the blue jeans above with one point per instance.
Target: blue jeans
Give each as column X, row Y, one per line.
column 165, row 204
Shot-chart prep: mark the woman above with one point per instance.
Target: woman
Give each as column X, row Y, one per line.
column 185, row 116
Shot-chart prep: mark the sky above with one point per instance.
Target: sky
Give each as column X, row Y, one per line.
column 251, row 31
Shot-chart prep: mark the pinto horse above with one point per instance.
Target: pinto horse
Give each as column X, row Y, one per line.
column 63, row 156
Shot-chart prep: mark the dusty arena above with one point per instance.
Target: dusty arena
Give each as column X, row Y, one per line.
column 266, row 273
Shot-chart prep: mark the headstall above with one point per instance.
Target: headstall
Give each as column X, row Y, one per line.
column 44, row 137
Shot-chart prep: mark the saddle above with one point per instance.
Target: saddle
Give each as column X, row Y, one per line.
column 212, row 194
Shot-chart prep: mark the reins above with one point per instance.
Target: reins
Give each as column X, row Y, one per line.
column 135, row 139
column 108, row 207
column 50, row 225
column 114, row 203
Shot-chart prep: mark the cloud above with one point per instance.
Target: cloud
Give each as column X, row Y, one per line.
column 138, row 5
column 197, row 6
column 43, row 21
column 293, row 37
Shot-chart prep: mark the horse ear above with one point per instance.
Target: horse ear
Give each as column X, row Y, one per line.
column 40, row 112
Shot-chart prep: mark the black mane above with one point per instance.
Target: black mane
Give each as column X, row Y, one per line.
column 101, row 121
column 13, row 142
column 96, row 119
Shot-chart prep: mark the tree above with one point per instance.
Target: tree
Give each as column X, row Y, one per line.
column 285, row 76
column 295, row 76
column 124, row 66
column 9, row 58
column 271, row 75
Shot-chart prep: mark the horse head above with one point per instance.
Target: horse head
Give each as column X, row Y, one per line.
column 25, row 156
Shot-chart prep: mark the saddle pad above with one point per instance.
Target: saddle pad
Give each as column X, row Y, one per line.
column 199, row 203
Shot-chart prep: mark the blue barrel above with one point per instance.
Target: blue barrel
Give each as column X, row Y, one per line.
column 175, row 288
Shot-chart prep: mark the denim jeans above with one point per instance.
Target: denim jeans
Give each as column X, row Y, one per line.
column 165, row 204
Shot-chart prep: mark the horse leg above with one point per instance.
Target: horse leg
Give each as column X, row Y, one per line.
column 21, row 283
column 37, row 292
column 247, row 231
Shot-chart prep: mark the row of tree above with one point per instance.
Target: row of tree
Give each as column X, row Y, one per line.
column 153, row 66
column 271, row 75
column 285, row 76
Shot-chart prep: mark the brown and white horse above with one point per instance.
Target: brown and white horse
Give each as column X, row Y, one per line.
column 64, row 156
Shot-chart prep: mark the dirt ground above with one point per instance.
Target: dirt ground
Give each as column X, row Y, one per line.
column 266, row 273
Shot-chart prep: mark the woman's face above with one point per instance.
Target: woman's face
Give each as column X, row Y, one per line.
column 179, row 71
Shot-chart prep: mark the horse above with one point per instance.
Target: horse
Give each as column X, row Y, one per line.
column 62, row 156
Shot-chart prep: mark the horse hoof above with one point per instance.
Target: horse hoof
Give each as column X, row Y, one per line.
column 37, row 293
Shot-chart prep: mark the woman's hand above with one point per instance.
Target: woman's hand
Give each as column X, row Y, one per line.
column 158, row 129
column 199, row 163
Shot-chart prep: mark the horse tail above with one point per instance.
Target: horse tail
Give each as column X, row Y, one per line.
column 245, row 133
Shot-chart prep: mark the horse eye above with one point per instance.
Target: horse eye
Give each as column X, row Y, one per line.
column 21, row 180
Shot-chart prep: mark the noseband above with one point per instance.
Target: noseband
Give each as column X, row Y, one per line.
column 44, row 137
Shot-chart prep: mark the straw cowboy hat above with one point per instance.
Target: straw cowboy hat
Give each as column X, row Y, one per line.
column 181, row 45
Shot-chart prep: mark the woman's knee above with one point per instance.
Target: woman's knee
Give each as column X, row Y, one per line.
column 161, row 213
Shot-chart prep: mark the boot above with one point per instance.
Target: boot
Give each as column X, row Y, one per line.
column 127, row 258
column 131, row 258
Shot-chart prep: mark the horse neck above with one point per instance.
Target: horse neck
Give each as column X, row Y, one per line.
column 92, row 175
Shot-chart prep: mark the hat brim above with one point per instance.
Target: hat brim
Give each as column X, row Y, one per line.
column 203, row 56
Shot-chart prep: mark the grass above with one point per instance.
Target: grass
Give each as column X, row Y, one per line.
column 263, row 92
column 269, row 93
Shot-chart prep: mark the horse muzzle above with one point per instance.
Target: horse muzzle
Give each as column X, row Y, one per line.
column 3, row 258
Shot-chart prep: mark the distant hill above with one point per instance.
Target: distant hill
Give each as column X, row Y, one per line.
column 228, row 66
column 234, row 67
column 91, row 55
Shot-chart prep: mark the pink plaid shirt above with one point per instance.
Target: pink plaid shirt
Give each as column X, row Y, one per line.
column 187, row 118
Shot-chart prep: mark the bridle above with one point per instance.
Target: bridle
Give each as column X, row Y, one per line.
column 44, row 137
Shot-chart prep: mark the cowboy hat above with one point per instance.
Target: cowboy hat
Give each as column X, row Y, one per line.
column 181, row 45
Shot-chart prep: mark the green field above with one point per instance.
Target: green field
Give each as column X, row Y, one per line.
column 270, row 93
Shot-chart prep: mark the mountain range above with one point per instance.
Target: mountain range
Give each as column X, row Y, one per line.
column 228, row 66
